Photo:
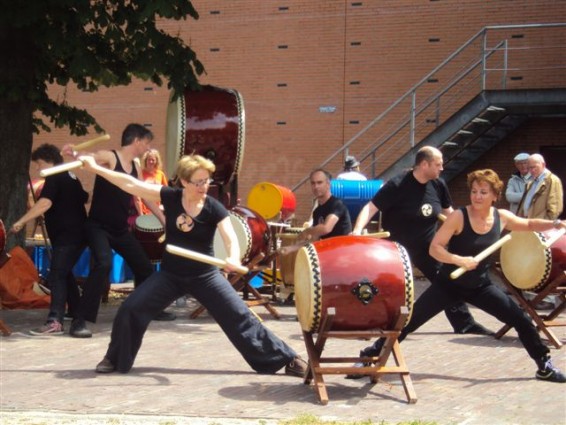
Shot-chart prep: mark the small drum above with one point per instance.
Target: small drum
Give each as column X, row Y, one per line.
column 252, row 232
column 270, row 199
column 355, row 193
column 287, row 262
column 528, row 263
column 148, row 230
column 207, row 122
column 366, row 280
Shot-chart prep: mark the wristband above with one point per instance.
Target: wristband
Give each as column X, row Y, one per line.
column 556, row 223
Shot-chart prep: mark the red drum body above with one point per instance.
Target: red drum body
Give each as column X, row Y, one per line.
column 207, row 122
column 252, row 232
column 148, row 230
column 366, row 280
column 528, row 263
column 272, row 201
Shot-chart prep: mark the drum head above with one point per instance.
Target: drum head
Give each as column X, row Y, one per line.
column 308, row 288
column 243, row 234
column 148, row 223
column 525, row 261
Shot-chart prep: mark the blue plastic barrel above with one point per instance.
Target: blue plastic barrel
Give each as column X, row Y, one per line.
column 355, row 193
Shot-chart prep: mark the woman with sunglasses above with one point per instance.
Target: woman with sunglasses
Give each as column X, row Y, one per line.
column 192, row 218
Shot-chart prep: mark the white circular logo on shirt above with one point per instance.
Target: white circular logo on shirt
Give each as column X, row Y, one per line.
column 426, row 210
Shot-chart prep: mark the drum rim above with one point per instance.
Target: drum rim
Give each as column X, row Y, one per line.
column 309, row 256
column 409, row 280
column 153, row 220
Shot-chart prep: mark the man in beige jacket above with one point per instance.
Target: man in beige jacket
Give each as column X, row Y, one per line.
column 543, row 197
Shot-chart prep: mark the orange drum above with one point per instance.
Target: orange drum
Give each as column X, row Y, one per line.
column 148, row 230
column 529, row 263
column 272, row 201
column 366, row 280
column 252, row 232
column 207, row 122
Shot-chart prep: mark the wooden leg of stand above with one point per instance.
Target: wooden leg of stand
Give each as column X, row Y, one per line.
column 405, row 378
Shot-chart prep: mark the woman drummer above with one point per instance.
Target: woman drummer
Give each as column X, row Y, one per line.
column 192, row 218
column 467, row 232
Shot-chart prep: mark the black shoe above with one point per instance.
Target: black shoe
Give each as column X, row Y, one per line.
column 297, row 367
column 105, row 366
column 165, row 317
column 79, row 330
column 550, row 373
column 475, row 329
column 372, row 351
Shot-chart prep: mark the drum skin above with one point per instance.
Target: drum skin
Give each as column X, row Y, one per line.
column 252, row 232
column 527, row 264
column 289, row 237
column 148, row 230
column 208, row 122
column 366, row 280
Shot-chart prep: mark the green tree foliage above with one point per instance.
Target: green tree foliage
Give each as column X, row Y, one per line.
column 85, row 43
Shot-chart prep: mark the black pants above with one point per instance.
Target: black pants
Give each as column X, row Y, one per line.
column 101, row 242
column 487, row 297
column 261, row 349
column 458, row 313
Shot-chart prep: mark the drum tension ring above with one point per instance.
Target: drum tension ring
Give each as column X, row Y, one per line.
column 365, row 291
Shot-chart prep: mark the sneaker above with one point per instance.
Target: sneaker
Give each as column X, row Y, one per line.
column 476, row 329
column 371, row 351
column 50, row 328
column 297, row 367
column 164, row 316
column 550, row 373
column 79, row 330
column 105, row 366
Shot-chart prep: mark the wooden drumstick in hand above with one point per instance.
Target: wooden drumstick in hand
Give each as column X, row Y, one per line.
column 482, row 255
column 203, row 258
column 90, row 143
column 61, row 168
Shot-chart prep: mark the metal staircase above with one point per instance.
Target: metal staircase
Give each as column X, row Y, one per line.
column 492, row 84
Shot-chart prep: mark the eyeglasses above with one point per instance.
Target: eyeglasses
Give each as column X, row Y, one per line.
column 201, row 183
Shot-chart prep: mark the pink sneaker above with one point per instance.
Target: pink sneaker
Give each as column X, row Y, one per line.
column 50, row 328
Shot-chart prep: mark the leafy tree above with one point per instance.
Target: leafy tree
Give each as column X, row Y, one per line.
column 87, row 43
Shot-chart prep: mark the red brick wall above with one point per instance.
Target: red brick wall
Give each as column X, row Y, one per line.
column 288, row 58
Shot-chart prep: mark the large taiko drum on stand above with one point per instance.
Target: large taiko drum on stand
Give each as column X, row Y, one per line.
column 272, row 201
column 208, row 122
column 366, row 280
column 528, row 263
column 148, row 230
column 252, row 232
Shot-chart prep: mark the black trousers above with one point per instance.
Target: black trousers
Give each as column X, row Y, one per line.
column 260, row 348
column 458, row 313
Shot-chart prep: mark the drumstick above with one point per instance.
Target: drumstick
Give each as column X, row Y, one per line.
column 482, row 255
column 377, row 235
column 273, row 224
column 203, row 258
column 85, row 145
column 554, row 238
column 441, row 217
column 61, row 168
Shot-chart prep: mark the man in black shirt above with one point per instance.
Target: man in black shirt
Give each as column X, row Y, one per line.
column 62, row 200
column 330, row 217
column 411, row 203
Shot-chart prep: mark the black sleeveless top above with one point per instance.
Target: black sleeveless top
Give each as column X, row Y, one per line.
column 469, row 244
column 110, row 204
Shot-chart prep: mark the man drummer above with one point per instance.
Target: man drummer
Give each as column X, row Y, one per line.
column 410, row 204
column 330, row 216
column 107, row 223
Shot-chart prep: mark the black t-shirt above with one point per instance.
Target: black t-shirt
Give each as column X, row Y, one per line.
column 65, row 219
column 333, row 206
column 110, row 204
column 199, row 235
column 410, row 209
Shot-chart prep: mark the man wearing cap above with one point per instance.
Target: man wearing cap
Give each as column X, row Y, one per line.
column 517, row 182
column 351, row 170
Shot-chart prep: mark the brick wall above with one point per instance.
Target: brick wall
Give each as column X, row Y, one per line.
column 314, row 73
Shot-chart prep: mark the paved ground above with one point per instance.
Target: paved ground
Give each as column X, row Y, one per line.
column 188, row 373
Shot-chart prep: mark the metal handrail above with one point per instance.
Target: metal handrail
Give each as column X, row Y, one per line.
column 415, row 109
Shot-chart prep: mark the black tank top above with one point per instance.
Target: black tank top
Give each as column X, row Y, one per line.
column 110, row 204
column 469, row 244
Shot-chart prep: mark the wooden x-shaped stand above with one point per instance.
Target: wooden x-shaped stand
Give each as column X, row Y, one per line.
column 316, row 370
column 242, row 283
column 545, row 321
